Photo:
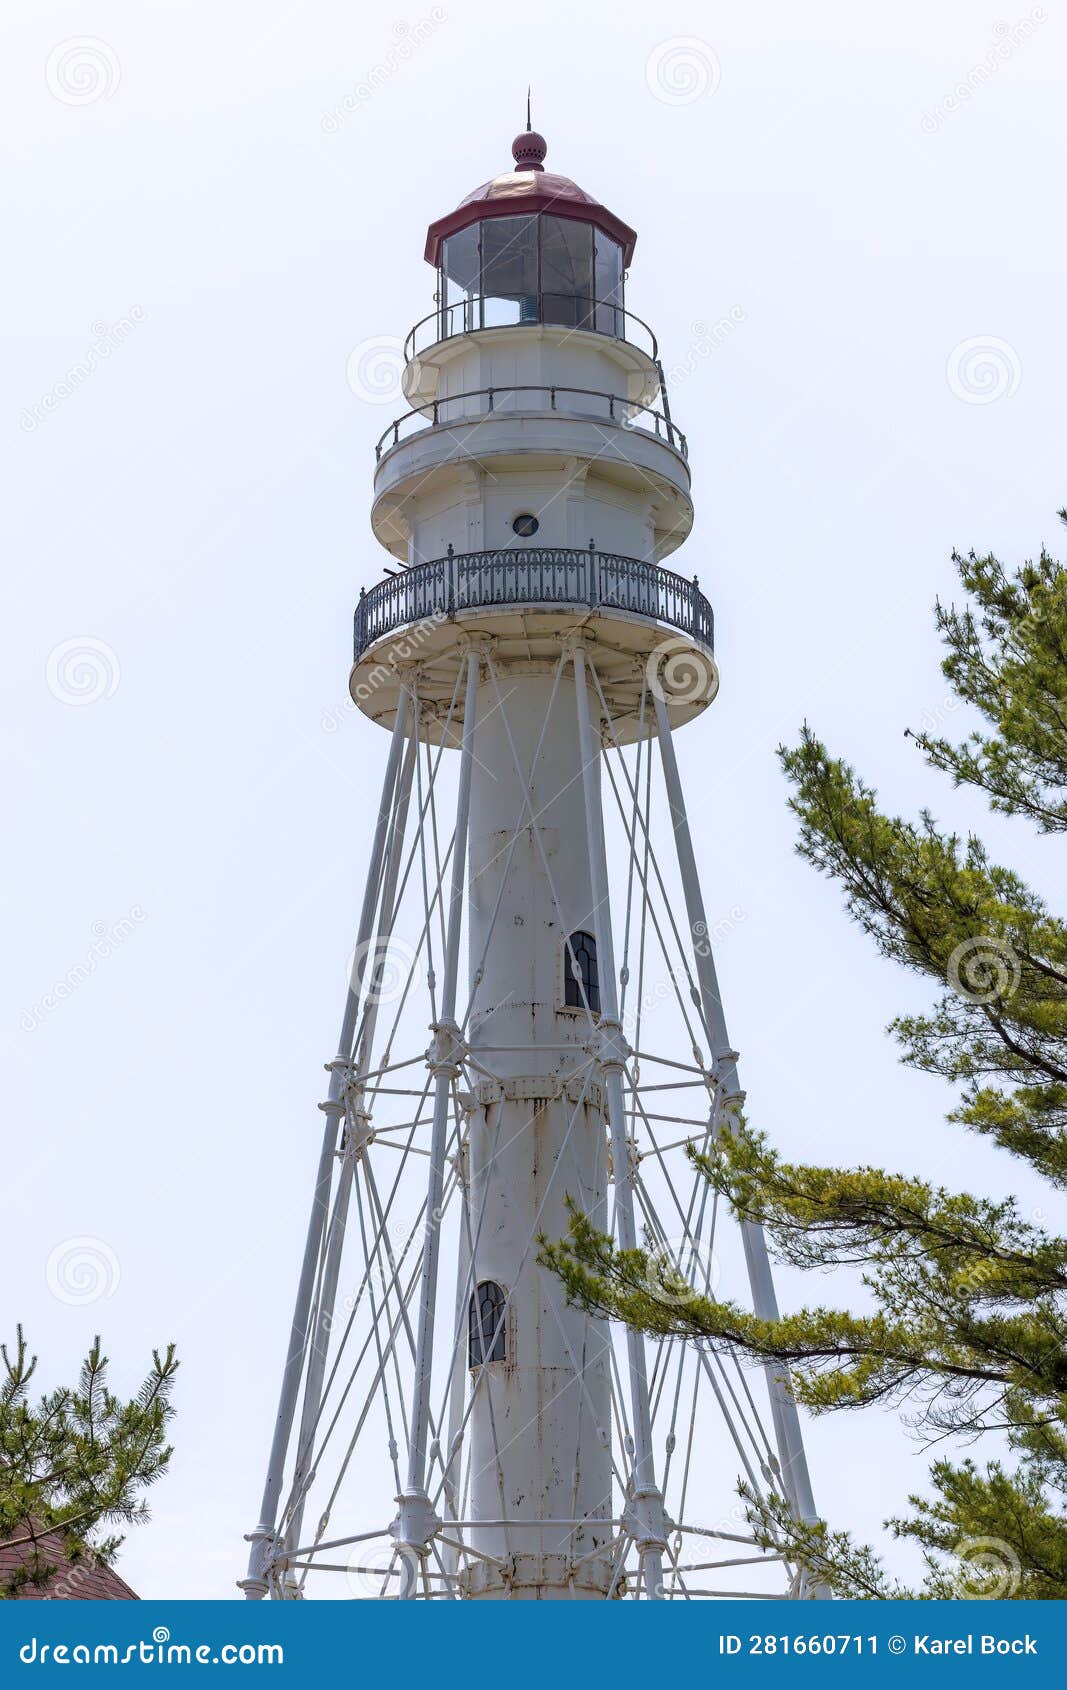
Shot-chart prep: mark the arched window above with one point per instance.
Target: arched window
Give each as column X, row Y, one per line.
column 580, row 978
column 485, row 1324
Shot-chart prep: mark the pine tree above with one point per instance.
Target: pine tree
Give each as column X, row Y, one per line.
column 968, row 1317
column 76, row 1463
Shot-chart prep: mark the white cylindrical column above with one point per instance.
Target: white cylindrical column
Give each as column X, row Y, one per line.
column 540, row 1420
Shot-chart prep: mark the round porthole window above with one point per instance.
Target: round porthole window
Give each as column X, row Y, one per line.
column 526, row 525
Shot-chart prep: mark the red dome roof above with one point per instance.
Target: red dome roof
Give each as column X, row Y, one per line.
column 522, row 181
column 529, row 189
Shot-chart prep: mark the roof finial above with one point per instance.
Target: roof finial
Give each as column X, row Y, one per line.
column 529, row 149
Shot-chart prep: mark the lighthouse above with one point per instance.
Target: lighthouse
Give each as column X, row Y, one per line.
column 532, row 1020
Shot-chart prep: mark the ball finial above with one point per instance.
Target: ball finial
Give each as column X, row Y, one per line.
column 529, row 149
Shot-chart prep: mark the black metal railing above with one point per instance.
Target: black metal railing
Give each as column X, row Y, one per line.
column 435, row 591
column 610, row 408
column 560, row 310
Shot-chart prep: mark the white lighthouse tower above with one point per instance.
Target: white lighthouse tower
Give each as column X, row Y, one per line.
column 533, row 1020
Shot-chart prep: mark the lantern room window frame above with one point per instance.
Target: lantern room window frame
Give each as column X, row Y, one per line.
column 555, row 270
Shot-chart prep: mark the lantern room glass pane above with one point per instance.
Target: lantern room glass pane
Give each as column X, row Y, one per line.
column 567, row 272
column 509, row 270
column 608, row 256
column 459, row 281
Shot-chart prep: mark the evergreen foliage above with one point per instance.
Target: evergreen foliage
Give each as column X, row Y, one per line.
column 966, row 1323
column 75, row 1463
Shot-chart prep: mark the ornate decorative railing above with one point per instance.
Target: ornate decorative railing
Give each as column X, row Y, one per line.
column 435, row 591
column 559, row 310
column 610, row 408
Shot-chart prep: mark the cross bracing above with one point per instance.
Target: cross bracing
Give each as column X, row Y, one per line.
column 393, row 1471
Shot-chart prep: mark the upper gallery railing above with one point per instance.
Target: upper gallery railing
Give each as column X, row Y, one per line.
column 609, row 408
column 432, row 592
column 560, row 310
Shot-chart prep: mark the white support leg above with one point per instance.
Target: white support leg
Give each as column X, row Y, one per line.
column 457, row 1388
column 255, row 1585
column 795, row 1477
column 416, row 1523
column 646, row 1505
column 356, row 1126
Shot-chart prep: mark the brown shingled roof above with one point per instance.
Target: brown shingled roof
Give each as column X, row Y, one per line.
column 87, row 1580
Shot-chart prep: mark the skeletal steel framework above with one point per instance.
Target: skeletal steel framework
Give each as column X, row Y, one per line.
column 448, row 1426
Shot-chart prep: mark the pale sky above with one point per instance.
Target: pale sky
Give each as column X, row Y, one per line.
column 209, row 210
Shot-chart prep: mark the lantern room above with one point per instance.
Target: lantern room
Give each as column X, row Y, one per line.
column 530, row 247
